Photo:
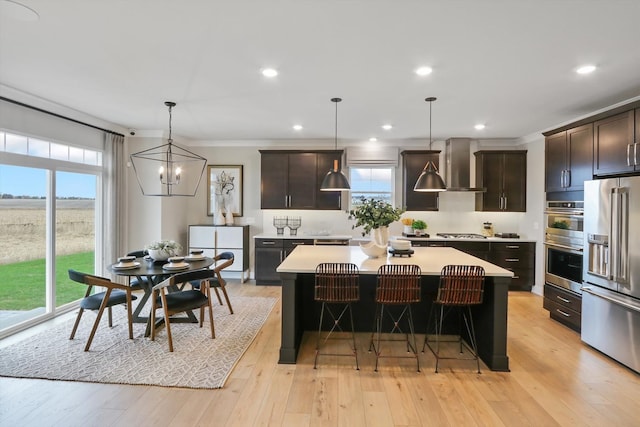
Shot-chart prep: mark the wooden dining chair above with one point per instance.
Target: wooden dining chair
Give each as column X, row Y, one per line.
column 220, row 262
column 114, row 294
column 180, row 301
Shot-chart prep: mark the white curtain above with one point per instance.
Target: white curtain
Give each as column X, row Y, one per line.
column 114, row 208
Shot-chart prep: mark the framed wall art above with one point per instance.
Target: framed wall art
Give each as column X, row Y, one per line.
column 224, row 189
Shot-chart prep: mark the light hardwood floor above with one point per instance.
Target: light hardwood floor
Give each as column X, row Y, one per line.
column 554, row 380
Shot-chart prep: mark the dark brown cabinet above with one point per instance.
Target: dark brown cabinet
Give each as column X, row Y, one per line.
column 504, row 175
column 518, row 257
column 563, row 306
column 569, row 159
column 413, row 162
column 291, row 180
column 614, row 147
column 269, row 254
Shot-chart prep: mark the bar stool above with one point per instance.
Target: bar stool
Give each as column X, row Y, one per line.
column 461, row 286
column 336, row 286
column 398, row 286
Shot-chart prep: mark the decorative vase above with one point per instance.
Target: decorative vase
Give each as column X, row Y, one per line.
column 229, row 217
column 380, row 236
column 160, row 254
column 408, row 230
column 372, row 249
column 218, row 217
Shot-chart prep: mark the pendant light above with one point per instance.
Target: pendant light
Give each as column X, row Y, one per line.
column 429, row 180
column 168, row 170
column 335, row 180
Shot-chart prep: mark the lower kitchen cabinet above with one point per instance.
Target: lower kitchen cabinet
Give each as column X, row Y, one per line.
column 269, row 254
column 564, row 306
column 519, row 257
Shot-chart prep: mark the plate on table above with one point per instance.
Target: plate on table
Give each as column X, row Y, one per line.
column 126, row 267
column 194, row 258
column 176, row 266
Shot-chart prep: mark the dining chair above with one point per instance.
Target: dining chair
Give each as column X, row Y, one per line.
column 397, row 287
column 180, row 301
column 336, row 287
column 220, row 262
column 114, row 294
column 460, row 288
column 134, row 282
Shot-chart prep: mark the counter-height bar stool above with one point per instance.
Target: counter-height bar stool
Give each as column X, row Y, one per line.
column 461, row 286
column 398, row 286
column 336, row 287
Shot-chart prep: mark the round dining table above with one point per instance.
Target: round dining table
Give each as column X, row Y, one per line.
column 149, row 273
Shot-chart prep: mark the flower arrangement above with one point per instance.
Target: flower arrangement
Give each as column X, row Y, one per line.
column 407, row 221
column 170, row 246
column 374, row 213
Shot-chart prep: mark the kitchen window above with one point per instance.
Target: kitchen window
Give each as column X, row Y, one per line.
column 370, row 182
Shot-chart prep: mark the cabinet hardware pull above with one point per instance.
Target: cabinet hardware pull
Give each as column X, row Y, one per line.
column 563, row 299
column 563, row 313
column 516, row 277
column 505, row 202
column 629, row 154
column 562, row 176
column 513, row 246
column 512, row 259
column 635, row 154
column 271, row 242
column 567, row 179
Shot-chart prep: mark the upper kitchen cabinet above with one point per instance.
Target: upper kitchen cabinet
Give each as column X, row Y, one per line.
column 413, row 162
column 614, row 147
column 504, row 175
column 569, row 159
column 291, row 179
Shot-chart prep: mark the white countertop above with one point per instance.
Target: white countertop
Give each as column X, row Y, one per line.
column 303, row 236
column 305, row 259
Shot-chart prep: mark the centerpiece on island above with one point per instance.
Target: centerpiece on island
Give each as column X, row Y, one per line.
column 375, row 216
column 419, row 227
column 162, row 250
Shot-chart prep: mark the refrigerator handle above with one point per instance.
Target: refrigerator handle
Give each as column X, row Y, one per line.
column 622, row 271
column 613, row 233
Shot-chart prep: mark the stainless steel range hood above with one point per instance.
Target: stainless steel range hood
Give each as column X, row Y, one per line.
column 457, row 165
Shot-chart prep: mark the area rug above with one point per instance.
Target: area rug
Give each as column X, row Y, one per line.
column 197, row 361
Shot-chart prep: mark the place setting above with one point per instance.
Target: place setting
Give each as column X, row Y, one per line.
column 175, row 263
column 195, row 255
column 126, row 263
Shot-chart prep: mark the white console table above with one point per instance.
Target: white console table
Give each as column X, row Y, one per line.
column 215, row 239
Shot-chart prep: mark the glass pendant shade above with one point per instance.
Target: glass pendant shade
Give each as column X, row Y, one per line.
column 168, row 170
column 429, row 180
column 335, row 180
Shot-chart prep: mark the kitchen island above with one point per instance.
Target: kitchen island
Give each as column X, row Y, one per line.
column 300, row 312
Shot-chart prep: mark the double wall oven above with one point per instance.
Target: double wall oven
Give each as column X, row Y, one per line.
column 563, row 244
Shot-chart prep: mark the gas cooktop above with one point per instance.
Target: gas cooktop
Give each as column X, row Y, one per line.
column 461, row 235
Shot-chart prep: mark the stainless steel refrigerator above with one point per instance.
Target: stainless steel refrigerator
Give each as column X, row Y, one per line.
column 611, row 268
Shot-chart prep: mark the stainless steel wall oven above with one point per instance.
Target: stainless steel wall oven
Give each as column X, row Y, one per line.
column 564, row 244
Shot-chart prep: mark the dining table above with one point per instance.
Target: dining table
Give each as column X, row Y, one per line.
column 149, row 273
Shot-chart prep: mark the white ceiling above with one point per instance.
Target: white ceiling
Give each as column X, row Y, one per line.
column 509, row 64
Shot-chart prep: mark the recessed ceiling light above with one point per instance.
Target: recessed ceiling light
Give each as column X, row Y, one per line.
column 586, row 69
column 479, row 126
column 269, row 72
column 387, row 127
column 373, row 139
column 297, row 127
column 424, row 71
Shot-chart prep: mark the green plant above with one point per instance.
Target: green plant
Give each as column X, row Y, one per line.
column 374, row 213
column 419, row 224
